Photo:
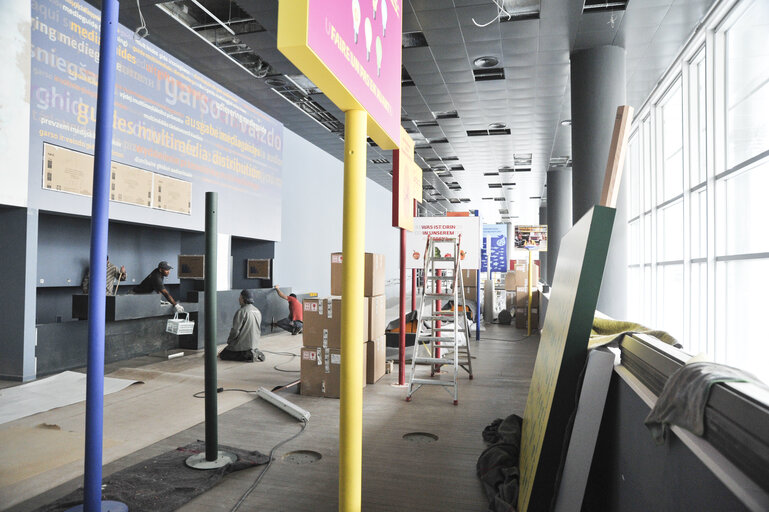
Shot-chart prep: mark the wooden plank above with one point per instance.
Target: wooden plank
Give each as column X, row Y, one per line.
column 613, row 176
column 561, row 355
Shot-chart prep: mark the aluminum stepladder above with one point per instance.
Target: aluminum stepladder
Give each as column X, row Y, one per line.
column 432, row 335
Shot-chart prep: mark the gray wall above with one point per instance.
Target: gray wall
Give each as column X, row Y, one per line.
column 18, row 237
column 244, row 249
column 312, row 220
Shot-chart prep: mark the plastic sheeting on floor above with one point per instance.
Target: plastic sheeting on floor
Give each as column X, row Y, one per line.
column 45, row 394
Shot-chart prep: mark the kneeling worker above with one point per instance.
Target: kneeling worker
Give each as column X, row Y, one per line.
column 293, row 323
column 245, row 333
column 154, row 283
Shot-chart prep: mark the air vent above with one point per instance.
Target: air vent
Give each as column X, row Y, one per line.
column 499, row 199
column 522, row 159
column 592, row 6
column 508, row 184
column 406, row 80
column 431, row 122
column 445, row 174
column 489, row 198
column 484, row 133
column 491, row 174
column 301, row 100
column 535, row 197
column 449, row 158
column 422, row 145
column 442, row 140
column 413, row 40
column 371, row 142
column 380, row 161
column 495, row 185
column 457, row 168
column 483, row 74
column 517, row 169
column 465, row 200
column 454, row 200
column 503, row 211
column 433, row 159
column 427, row 186
column 450, row 114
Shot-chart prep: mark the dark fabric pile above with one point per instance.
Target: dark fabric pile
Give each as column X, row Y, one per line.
column 685, row 395
column 162, row 483
column 497, row 467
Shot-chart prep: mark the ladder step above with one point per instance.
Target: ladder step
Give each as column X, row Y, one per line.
column 441, row 258
column 433, row 382
column 440, row 278
column 434, row 360
column 439, row 296
column 449, row 315
column 444, row 339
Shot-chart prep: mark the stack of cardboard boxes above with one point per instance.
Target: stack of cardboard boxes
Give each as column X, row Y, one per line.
column 470, row 280
column 321, row 354
column 518, row 280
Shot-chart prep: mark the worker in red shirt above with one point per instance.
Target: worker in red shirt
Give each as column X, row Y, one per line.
column 293, row 323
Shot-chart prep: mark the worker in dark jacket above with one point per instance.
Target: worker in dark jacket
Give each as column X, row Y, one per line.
column 245, row 333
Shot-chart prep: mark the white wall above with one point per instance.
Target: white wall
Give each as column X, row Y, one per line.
column 14, row 102
column 312, row 219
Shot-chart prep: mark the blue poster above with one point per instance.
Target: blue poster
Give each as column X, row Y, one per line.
column 497, row 234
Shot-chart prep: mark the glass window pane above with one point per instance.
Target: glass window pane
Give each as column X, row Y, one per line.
column 747, row 84
column 635, row 294
column 634, row 242
column 697, row 120
column 742, row 210
column 647, row 238
column 670, row 304
column 634, row 171
column 741, row 314
column 699, row 224
column 647, row 164
column 696, row 341
column 647, row 318
column 670, row 177
column 670, row 232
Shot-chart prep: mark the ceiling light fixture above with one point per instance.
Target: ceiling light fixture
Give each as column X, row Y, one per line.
column 566, row 122
column 485, row 62
column 497, row 126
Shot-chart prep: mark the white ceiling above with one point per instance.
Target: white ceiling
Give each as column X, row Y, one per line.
column 531, row 100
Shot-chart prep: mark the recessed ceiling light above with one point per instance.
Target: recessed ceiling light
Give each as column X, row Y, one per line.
column 485, row 62
column 566, row 122
column 274, row 82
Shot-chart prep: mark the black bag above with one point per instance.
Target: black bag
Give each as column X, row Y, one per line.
column 241, row 355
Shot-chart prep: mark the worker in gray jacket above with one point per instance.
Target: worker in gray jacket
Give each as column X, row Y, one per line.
column 245, row 333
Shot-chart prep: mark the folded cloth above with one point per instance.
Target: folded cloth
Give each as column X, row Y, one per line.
column 607, row 330
column 685, row 395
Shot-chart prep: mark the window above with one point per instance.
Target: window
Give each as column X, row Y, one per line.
column 698, row 160
column 747, row 84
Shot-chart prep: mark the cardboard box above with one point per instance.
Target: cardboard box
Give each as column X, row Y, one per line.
column 373, row 277
column 521, row 275
column 376, row 320
column 376, row 353
column 521, row 316
column 470, row 278
column 522, row 297
column 320, row 371
column 471, row 293
column 510, row 281
column 323, row 322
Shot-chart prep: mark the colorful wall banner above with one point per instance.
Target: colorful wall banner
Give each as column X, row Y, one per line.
column 169, row 120
column 468, row 227
column 350, row 49
column 497, row 235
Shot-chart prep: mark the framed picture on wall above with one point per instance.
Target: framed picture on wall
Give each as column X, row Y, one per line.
column 258, row 269
column 191, row 266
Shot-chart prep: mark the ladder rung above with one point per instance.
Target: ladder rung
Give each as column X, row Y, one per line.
column 439, row 296
column 433, row 382
column 441, row 258
column 448, row 316
column 437, row 338
column 440, row 278
column 434, row 360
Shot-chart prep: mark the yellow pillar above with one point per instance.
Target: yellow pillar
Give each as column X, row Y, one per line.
column 353, row 232
column 528, row 319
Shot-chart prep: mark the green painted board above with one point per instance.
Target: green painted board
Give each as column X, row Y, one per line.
column 562, row 354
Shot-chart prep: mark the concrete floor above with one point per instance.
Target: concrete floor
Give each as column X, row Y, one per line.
column 159, row 415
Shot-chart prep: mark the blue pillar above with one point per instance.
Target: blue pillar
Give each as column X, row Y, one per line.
column 94, row 411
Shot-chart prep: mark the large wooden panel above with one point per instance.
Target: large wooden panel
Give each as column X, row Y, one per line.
column 562, row 354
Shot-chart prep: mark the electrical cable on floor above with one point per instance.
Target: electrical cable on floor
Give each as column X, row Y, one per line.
column 283, row 354
column 202, row 394
column 259, row 478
